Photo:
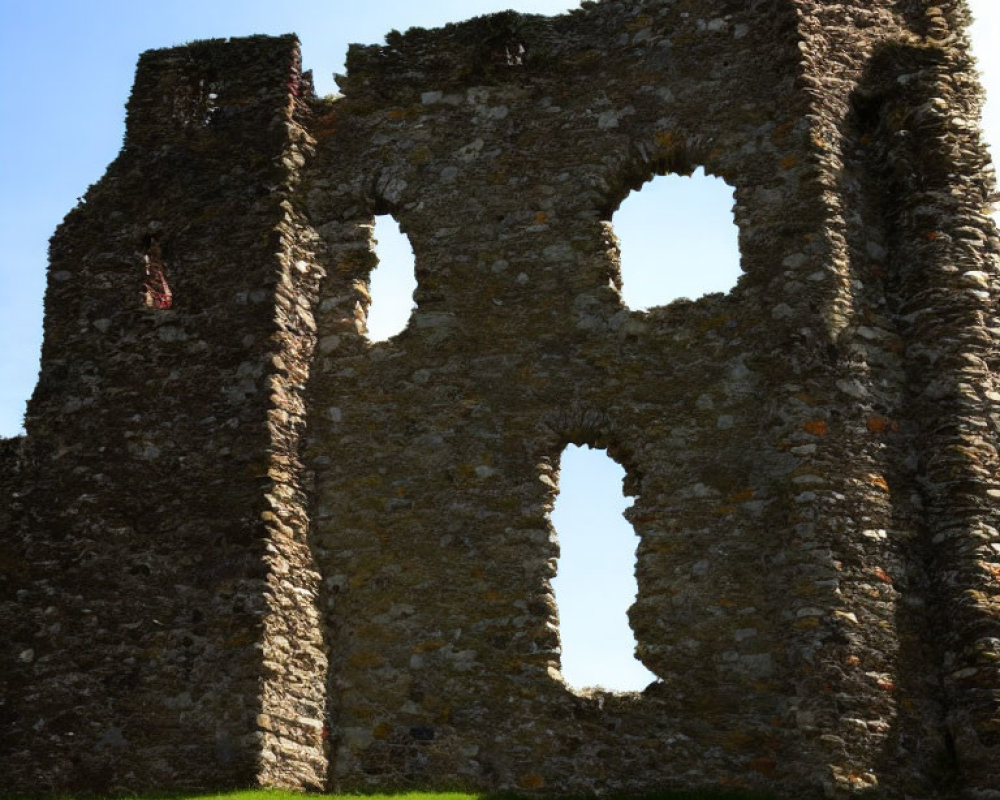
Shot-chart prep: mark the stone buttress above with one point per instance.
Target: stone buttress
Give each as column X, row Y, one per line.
column 162, row 634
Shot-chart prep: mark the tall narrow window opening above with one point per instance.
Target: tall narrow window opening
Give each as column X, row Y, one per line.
column 156, row 290
column 392, row 282
column 678, row 239
column 595, row 583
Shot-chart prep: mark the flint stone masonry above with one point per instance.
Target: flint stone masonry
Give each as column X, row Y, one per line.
column 244, row 545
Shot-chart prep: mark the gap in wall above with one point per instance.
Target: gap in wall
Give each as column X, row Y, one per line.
column 595, row 583
column 392, row 282
column 678, row 239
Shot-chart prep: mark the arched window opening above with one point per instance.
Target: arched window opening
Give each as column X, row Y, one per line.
column 595, row 582
column 678, row 239
column 392, row 282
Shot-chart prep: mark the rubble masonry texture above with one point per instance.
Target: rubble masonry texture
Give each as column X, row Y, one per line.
column 243, row 545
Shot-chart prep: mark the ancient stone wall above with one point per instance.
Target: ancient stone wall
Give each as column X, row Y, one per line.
column 248, row 545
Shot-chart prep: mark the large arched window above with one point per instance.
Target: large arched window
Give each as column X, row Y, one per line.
column 595, row 581
column 678, row 239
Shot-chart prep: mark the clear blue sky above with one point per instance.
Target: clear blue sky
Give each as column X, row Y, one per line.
column 66, row 68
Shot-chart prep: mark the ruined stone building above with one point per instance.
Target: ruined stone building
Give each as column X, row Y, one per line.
column 243, row 544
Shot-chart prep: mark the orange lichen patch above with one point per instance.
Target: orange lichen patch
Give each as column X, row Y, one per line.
column 541, row 216
column 360, row 578
column 365, row 660
column 933, row 236
column 492, row 597
column 531, row 781
column 714, row 322
column 788, row 162
column 782, row 131
column 806, row 588
column 723, row 510
column 419, row 155
column 882, row 425
column 433, row 644
column 640, row 22
column 382, row 731
column 882, row 575
column 876, row 424
column 885, row 684
column 739, row 740
column 992, row 569
column 853, row 661
column 664, row 139
column 238, row 640
column 396, row 114
column 742, row 497
column 325, row 126
column 765, row 766
column 816, row 427
column 877, row 481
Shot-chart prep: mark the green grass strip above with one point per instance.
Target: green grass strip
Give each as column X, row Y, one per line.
column 277, row 794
